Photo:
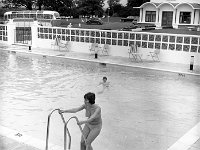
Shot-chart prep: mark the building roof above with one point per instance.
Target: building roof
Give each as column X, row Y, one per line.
column 174, row 5
column 193, row 5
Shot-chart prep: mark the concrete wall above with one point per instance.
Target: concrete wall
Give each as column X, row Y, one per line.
column 174, row 48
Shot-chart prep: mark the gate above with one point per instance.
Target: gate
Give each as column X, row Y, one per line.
column 23, row 35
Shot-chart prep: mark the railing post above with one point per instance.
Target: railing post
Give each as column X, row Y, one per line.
column 191, row 63
column 65, row 137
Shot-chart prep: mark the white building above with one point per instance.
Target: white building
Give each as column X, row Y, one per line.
column 175, row 13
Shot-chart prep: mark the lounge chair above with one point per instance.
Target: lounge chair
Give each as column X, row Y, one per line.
column 64, row 45
column 54, row 44
column 105, row 49
column 134, row 54
column 94, row 48
column 60, row 44
column 155, row 54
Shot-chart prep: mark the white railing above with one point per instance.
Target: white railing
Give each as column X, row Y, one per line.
column 3, row 33
column 172, row 42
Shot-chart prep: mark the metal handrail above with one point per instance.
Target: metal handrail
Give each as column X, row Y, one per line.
column 65, row 129
column 69, row 146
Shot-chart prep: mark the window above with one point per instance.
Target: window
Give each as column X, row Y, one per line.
column 19, row 15
column 26, row 15
column 40, row 16
column 47, row 16
column 150, row 16
column 185, row 17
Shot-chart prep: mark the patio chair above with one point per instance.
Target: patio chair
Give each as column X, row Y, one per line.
column 94, row 48
column 57, row 43
column 54, row 44
column 134, row 54
column 63, row 45
column 105, row 49
column 155, row 54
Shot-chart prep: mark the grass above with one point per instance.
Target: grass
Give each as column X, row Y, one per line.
column 175, row 31
column 112, row 24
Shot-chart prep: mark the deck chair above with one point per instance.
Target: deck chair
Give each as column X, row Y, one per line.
column 93, row 48
column 63, row 45
column 54, row 44
column 155, row 54
column 105, row 49
column 134, row 54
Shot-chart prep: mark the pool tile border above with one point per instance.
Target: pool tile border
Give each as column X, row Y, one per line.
column 26, row 139
column 188, row 139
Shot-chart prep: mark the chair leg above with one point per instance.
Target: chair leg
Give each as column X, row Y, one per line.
column 140, row 59
column 134, row 57
column 155, row 57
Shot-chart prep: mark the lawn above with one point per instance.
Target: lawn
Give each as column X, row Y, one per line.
column 175, row 31
column 114, row 23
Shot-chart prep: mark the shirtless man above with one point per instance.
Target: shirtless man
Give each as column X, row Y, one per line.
column 93, row 124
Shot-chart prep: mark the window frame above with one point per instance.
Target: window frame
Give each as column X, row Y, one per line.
column 150, row 16
column 183, row 18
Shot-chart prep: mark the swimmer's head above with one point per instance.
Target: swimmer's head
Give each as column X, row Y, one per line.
column 104, row 79
column 90, row 98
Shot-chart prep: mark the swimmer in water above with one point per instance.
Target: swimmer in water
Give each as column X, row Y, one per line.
column 93, row 124
column 104, row 83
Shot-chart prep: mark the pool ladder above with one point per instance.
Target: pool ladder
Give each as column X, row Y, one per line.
column 66, row 130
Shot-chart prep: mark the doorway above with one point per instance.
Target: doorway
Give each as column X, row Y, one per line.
column 167, row 18
column 23, row 35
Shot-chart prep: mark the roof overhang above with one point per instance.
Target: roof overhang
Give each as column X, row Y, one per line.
column 193, row 5
column 174, row 5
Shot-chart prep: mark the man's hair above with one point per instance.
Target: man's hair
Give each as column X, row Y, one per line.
column 90, row 97
column 104, row 78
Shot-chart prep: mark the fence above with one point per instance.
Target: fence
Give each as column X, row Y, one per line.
column 172, row 42
column 3, row 33
column 175, row 48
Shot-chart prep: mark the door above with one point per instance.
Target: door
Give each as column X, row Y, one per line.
column 23, row 35
column 167, row 18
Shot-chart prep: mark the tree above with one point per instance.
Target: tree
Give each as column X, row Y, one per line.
column 112, row 4
column 56, row 4
column 91, row 7
column 136, row 3
column 20, row 3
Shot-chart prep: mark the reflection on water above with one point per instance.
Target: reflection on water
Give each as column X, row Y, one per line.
column 142, row 109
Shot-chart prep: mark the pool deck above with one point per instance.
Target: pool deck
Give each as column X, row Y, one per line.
column 13, row 140
column 115, row 60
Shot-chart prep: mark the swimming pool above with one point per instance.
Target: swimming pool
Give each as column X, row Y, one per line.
column 142, row 109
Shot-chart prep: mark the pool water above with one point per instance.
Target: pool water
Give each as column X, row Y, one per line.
column 142, row 109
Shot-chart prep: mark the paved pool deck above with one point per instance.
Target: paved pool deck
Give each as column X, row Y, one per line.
column 13, row 140
column 115, row 60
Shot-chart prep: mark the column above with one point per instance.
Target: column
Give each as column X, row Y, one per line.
column 34, row 31
column 11, row 27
